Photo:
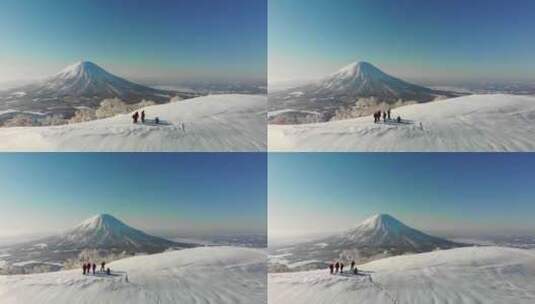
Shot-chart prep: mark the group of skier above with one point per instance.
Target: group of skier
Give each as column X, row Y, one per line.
column 385, row 115
column 339, row 267
column 87, row 267
column 136, row 117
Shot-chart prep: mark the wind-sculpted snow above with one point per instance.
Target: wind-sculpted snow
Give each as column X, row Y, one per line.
column 217, row 123
column 462, row 276
column 482, row 123
column 200, row 275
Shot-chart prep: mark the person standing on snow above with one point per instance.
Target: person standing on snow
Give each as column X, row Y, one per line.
column 388, row 114
column 352, row 264
column 336, row 267
column 102, row 269
column 331, row 268
column 84, row 267
column 135, row 117
column 341, row 267
column 143, row 116
column 94, row 268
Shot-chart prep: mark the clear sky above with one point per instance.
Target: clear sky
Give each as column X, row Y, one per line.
column 453, row 40
column 451, row 192
column 181, row 192
column 182, row 39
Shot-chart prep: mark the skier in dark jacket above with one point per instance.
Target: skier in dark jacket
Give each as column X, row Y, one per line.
column 398, row 119
column 352, row 265
column 108, row 271
column 135, row 117
column 336, row 266
column 94, row 268
column 388, row 114
column 84, row 267
column 355, row 271
column 102, row 269
column 331, row 268
column 341, row 267
column 384, row 116
column 142, row 116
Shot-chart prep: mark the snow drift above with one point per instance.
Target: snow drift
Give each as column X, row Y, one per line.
column 199, row 275
column 211, row 123
column 461, row 275
column 470, row 123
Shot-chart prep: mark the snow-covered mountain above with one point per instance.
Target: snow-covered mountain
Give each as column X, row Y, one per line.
column 102, row 232
column 344, row 87
column 468, row 275
column 378, row 236
column 384, row 232
column 83, row 84
column 86, row 79
column 475, row 123
column 214, row 123
column 362, row 79
column 198, row 275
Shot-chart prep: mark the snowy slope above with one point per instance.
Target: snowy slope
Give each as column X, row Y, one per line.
column 470, row 123
column 212, row 123
column 463, row 275
column 199, row 275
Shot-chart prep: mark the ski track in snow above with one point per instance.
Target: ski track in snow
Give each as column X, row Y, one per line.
column 199, row 275
column 470, row 123
column 222, row 123
column 461, row 276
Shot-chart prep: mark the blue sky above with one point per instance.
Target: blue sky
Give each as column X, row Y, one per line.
column 445, row 41
column 184, row 192
column 137, row 38
column 451, row 192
